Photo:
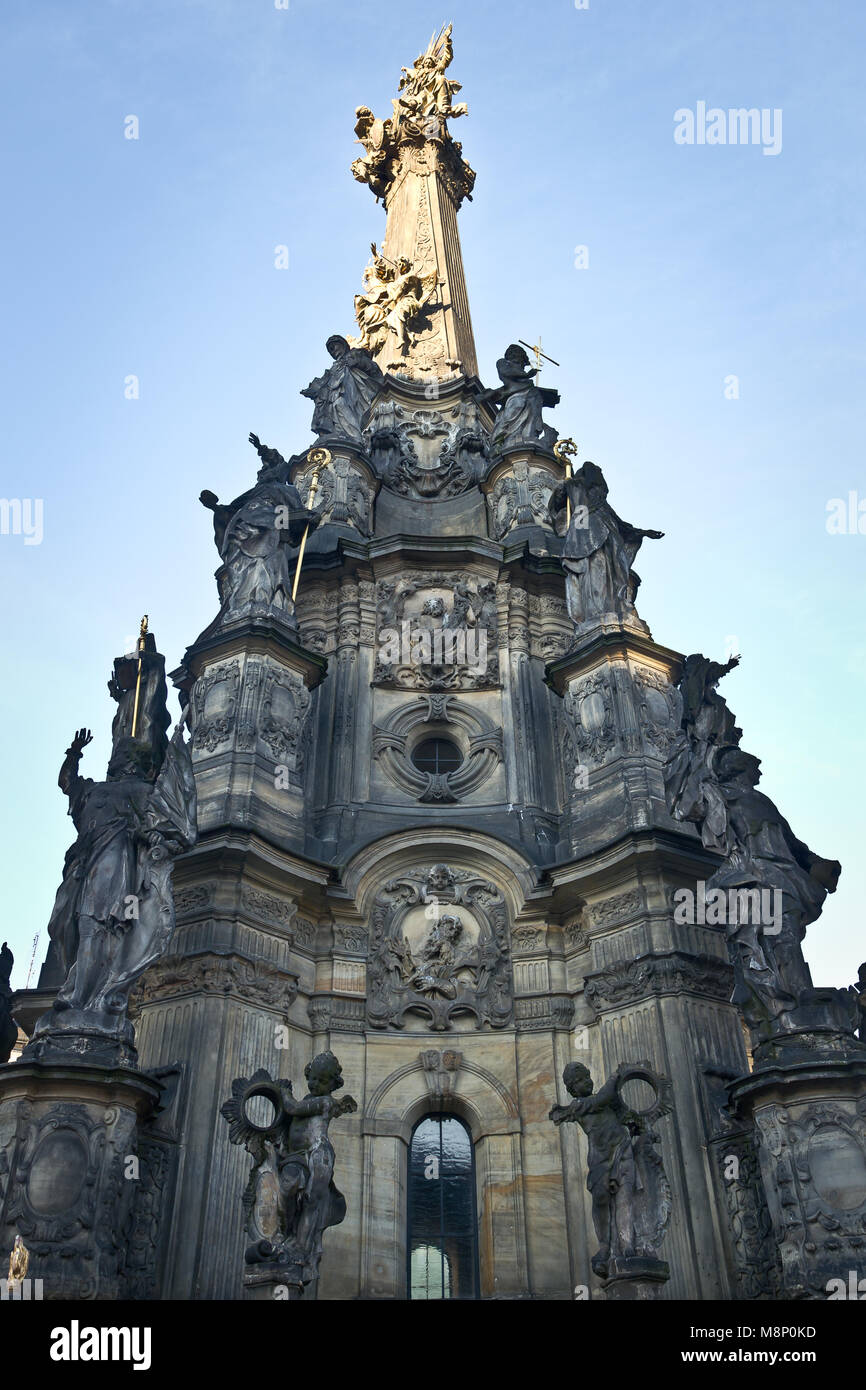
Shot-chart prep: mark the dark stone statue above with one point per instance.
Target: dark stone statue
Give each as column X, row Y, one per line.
column 771, row 886
column 291, row 1199
column 692, row 792
column 253, row 535
column 8, row 1026
column 114, row 912
column 631, row 1203
column 772, row 976
column 344, row 394
column 519, row 419
column 599, row 550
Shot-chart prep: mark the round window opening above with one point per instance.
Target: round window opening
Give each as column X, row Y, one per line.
column 437, row 755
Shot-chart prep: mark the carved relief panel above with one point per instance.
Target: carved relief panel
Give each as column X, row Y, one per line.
column 439, row 951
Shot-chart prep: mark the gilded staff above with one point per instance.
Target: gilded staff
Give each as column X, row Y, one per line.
column 565, row 450
column 319, row 458
column 141, row 636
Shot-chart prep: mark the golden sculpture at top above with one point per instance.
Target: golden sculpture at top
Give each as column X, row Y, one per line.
column 19, row 1261
column 421, row 112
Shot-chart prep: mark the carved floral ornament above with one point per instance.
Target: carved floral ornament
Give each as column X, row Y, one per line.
column 428, row 454
column 343, row 494
column 439, row 950
column 590, row 727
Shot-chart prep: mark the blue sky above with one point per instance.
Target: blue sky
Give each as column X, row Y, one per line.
column 155, row 257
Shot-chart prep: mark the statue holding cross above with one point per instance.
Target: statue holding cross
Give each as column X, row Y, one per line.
column 519, row 421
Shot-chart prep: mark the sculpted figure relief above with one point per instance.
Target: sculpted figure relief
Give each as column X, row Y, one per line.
column 519, row 419
column 345, row 392
column 252, row 535
column 599, row 550
column 114, row 911
column 631, row 1201
column 291, row 1198
column 394, row 296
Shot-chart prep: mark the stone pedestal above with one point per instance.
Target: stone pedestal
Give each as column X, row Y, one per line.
column 250, row 683
column 636, row 1280
column 809, row 1118
column 69, row 1171
column 267, row 1283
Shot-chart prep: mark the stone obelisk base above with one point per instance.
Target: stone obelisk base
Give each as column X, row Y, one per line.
column 68, row 1170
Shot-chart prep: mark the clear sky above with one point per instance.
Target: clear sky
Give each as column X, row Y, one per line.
column 155, row 258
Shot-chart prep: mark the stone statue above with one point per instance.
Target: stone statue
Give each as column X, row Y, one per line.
column 771, row 883
column 344, row 394
column 393, row 299
column 707, row 727
column 519, row 420
column 631, row 1203
column 114, row 912
column 8, row 1026
column 291, row 1199
column 253, row 534
column 772, row 976
column 599, row 550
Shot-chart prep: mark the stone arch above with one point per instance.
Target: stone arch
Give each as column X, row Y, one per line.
column 507, row 866
column 486, row 1104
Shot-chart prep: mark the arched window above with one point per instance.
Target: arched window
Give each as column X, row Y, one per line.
column 442, row 1229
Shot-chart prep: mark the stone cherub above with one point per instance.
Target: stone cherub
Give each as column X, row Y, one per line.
column 253, row 535
column 519, row 419
column 345, row 392
column 631, row 1202
column 599, row 550
column 291, row 1199
column 113, row 914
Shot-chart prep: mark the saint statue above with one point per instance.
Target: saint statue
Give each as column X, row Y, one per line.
column 344, row 394
column 691, row 789
column 599, row 550
column 291, row 1198
column 519, row 420
column 771, row 974
column 253, row 535
column 114, row 911
column 631, row 1201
